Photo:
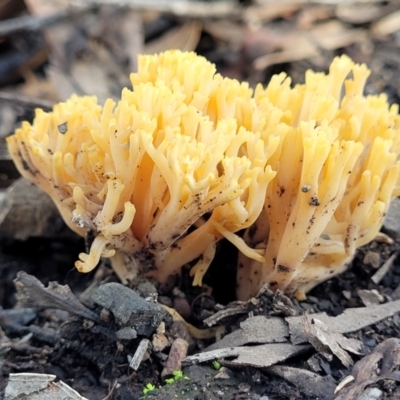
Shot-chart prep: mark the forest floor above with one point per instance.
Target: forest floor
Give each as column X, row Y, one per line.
column 55, row 321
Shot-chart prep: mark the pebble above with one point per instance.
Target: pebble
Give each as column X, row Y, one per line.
column 165, row 300
column 244, row 387
column 126, row 334
column 370, row 394
column 347, row 294
column 370, row 297
column 159, row 342
column 373, row 259
column 178, row 352
column 179, row 330
column 104, row 315
column 182, row 307
column 178, row 292
column 198, row 373
column 223, row 373
column 161, row 327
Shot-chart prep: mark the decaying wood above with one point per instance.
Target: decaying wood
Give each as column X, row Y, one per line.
column 255, row 356
column 382, row 363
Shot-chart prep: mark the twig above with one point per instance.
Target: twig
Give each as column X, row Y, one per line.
column 227, row 312
column 109, row 396
column 182, row 8
column 31, row 23
column 26, row 101
column 382, row 271
column 201, row 9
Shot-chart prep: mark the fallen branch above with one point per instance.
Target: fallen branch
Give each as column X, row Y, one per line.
column 27, row 101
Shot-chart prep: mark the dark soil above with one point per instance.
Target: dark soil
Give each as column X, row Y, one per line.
column 86, row 355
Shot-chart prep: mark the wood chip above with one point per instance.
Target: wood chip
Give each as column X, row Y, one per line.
column 268, row 354
column 370, row 297
column 140, row 354
column 383, row 270
column 328, row 343
column 350, row 320
column 259, row 329
column 255, row 356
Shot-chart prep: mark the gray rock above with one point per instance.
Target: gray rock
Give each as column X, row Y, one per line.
column 126, row 334
column 26, row 211
column 392, row 219
column 198, row 373
column 370, row 394
column 129, row 309
column 146, row 289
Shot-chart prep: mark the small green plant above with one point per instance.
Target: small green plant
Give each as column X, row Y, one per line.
column 149, row 388
column 176, row 376
column 216, row 365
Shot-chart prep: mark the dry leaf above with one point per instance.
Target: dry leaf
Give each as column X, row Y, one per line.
column 32, row 293
column 30, row 386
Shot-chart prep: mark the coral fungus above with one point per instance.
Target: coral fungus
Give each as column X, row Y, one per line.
column 188, row 157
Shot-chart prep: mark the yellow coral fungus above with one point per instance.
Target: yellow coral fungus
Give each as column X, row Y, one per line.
column 188, row 157
column 337, row 169
column 184, row 144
